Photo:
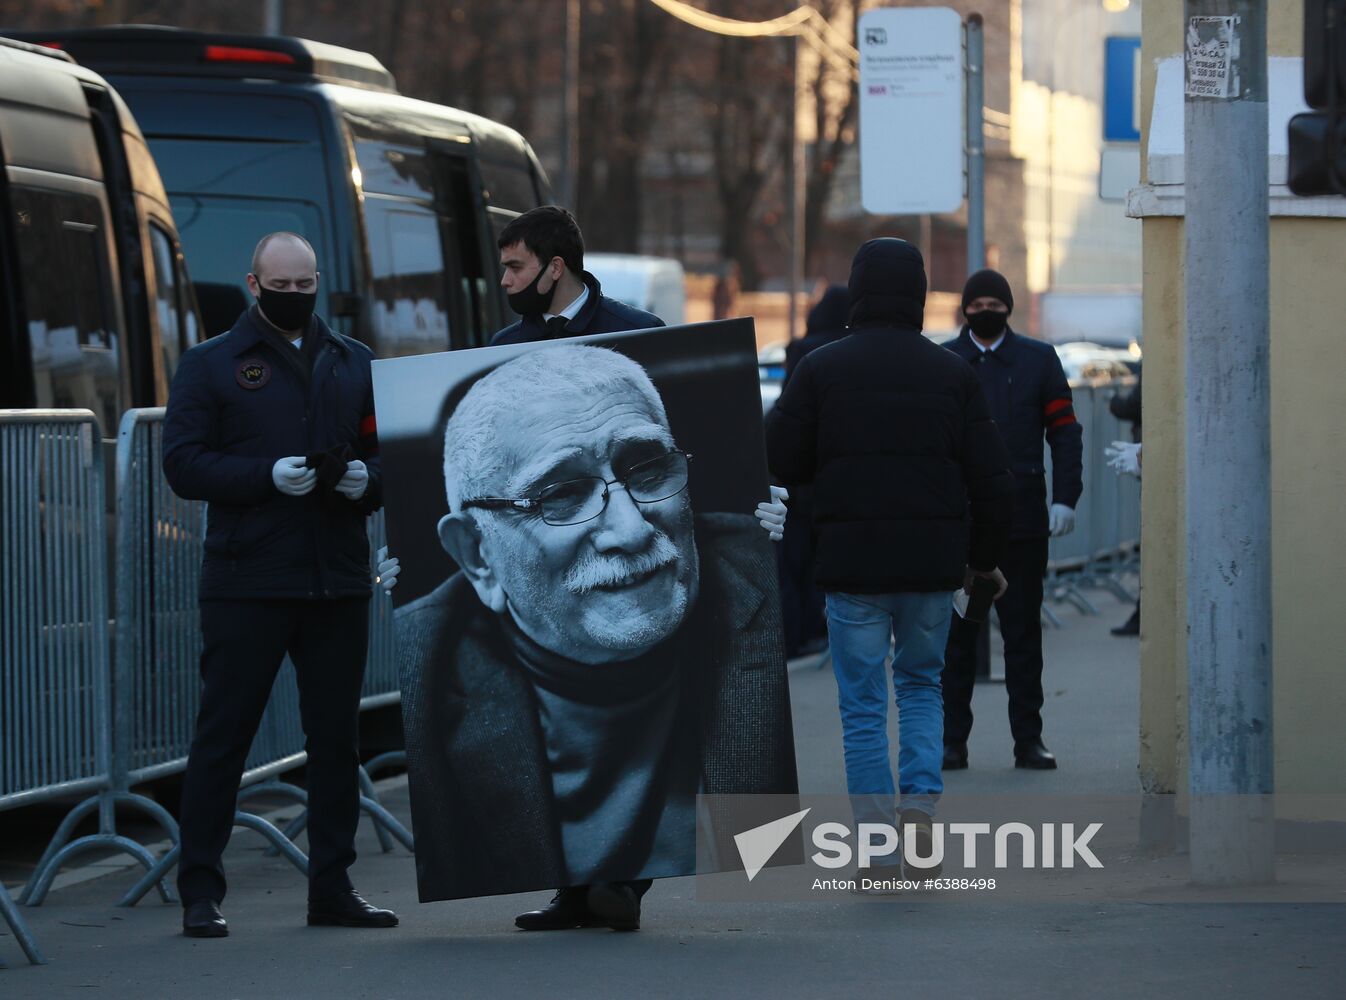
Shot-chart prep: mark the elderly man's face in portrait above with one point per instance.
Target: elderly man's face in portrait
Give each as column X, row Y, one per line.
column 595, row 582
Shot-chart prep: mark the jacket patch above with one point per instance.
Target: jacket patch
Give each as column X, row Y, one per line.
column 253, row 373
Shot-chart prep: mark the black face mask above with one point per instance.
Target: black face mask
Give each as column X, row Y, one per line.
column 288, row 311
column 988, row 324
column 529, row 301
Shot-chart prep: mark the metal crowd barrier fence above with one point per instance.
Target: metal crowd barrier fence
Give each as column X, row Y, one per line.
column 19, row 929
column 54, row 671
column 135, row 721
column 1104, row 545
column 159, row 561
column 381, row 687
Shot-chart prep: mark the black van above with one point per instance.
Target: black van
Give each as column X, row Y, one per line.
column 401, row 198
column 95, row 306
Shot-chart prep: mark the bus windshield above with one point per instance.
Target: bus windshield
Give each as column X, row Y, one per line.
column 218, row 236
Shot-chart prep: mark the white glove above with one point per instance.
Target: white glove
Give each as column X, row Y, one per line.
column 1124, row 457
column 291, row 478
column 771, row 514
column 355, row 481
column 1062, row 520
column 388, row 570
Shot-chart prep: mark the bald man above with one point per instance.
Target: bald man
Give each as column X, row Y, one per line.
column 272, row 424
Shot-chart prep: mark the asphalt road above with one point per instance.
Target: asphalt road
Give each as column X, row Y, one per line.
column 838, row 946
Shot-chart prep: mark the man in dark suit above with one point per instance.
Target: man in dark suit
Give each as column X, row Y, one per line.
column 603, row 654
column 542, row 273
column 1030, row 400
column 272, row 424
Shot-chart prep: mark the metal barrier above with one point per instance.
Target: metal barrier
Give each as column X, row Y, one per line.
column 73, row 723
column 19, row 929
column 159, row 641
column 55, row 677
column 1104, row 545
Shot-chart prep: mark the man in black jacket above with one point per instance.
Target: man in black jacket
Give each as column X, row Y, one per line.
column 542, row 264
column 1029, row 399
column 801, row 600
column 895, row 437
column 542, row 257
column 272, row 424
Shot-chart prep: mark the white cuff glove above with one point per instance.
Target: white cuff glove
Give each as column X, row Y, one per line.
column 772, row 513
column 388, row 570
column 291, row 478
column 1061, row 520
column 355, row 481
column 1124, row 457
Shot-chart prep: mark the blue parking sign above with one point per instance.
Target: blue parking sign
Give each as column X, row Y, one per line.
column 1121, row 88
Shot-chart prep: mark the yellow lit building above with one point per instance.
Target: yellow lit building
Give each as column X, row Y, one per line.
column 1308, row 408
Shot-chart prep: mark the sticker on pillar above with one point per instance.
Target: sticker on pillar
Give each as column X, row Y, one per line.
column 1212, row 51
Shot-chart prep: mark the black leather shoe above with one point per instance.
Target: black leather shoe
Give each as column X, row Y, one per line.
column 616, row 905
column 955, row 757
column 1032, row 754
column 202, row 919
column 568, row 909
column 348, row 909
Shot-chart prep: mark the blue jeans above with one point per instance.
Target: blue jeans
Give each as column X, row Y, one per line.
column 858, row 628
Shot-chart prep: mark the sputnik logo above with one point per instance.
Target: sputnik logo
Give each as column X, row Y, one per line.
column 757, row 846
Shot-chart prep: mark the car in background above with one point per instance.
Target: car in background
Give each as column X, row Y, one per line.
column 654, row 284
column 95, row 304
column 400, row 198
column 1087, row 361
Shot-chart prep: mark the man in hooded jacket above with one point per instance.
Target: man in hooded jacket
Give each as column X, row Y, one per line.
column 801, row 600
column 894, row 434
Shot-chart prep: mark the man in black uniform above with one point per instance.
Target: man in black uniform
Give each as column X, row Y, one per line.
column 273, row 425
column 542, row 273
column 542, row 265
column 1029, row 398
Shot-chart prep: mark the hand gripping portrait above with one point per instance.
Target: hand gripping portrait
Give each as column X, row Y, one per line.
column 603, row 653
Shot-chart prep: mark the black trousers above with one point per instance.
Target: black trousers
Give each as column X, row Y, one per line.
column 245, row 644
column 1020, row 613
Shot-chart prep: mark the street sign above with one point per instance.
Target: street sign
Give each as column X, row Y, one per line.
column 911, row 110
column 1121, row 89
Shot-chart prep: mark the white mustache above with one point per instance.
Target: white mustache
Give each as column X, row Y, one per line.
column 594, row 571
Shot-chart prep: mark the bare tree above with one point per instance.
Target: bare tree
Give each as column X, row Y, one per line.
column 836, row 98
column 623, row 79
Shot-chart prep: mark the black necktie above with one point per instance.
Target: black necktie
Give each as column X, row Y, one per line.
column 556, row 326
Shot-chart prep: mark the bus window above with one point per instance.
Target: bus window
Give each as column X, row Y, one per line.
column 219, row 234
column 67, row 294
column 393, row 168
column 406, row 258
column 175, row 319
column 476, row 277
column 509, row 187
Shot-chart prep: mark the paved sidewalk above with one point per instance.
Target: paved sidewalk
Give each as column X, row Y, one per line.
column 838, row 947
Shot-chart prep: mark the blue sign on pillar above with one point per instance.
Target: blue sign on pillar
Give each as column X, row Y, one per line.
column 1121, row 89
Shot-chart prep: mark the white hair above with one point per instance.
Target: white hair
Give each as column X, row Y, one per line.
column 474, row 456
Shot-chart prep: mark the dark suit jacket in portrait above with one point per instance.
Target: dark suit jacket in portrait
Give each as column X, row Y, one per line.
column 483, row 808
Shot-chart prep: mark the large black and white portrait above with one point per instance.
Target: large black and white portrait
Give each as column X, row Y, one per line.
column 587, row 620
